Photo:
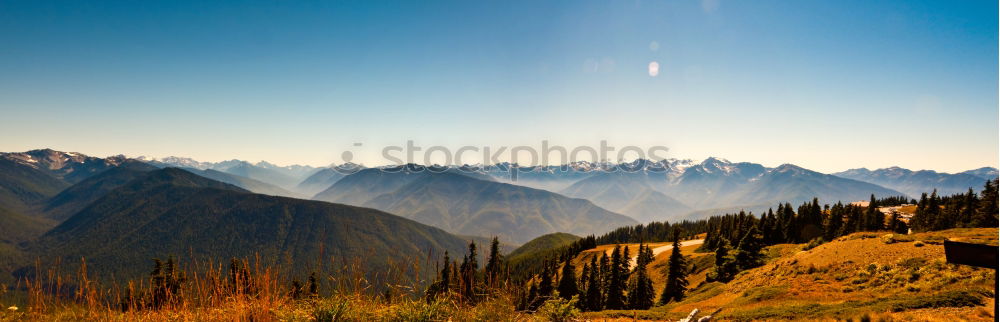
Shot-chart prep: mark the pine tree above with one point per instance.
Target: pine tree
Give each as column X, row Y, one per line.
column 443, row 283
column 469, row 269
column 968, row 209
column 874, row 219
column 725, row 264
column 832, row 222
column 605, row 275
column 313, row 285
column 986, row 214
column 677, row 272
column 494, row 264
column 640, row 295
column 748, row 252
column 532, row 300
column 616, row 285
column 296, row 289
column 567, row 283
column 896, row 225
column 545, row 287
column 594, row 300
column 582, row 286
column 166, row 281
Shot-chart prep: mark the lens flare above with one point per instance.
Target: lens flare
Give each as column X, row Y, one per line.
column 654, row 69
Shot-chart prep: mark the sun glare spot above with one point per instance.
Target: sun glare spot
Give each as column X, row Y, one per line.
column 654, row 69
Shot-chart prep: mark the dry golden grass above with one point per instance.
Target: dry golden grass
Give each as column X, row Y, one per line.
column 851, row 277
column 210, row 295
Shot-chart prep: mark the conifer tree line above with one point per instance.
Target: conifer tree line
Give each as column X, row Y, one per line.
column 611, row 282
column 465, row 281
column 652, row 232
column 957, row 211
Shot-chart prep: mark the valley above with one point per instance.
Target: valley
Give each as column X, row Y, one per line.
column 102, row 221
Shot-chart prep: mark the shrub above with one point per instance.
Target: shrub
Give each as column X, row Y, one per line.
column 949, row 299
column 888, row 238
column 421, row 311
column 763, row 293
column 330, row 312
column 814, row 242
column 558, row 309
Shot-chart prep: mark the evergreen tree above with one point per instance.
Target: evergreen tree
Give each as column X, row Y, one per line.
column 532, row 300
column 582, row 286
column 443, row 283
column 166, row 281
column 725, row 264
column 567, row 283
column 605, row 274
column 896, row 225
column 677, row 272
column 469, row 269
column 748, row 252
column 832, row 223
column 313, row 285
column 297, row 289
column 616, row 286
column 545, row 286
column 640, row 295
column 986, row 214
column 594, row 300
column 494, row 263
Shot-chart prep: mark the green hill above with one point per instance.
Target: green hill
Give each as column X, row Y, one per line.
column 543, row 243
column 76, row 197
column 21, row 186
column 174, row 212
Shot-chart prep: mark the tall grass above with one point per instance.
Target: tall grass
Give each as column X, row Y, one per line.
column 243, row 290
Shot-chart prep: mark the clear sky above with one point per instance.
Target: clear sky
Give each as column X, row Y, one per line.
column 827, row 85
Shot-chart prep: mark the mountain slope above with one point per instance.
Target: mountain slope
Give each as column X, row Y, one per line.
column 714, row 183
column 21, row 185
column 16, row 228
column 76, row 197
column 174, row 212
column 29, row 178
column 988, row 173
column 914, row 183
column 794, row 184
column 629, row 194
column 542, row 243
column 465, row 205
column 361, row 186
column 268, row 175
column 252, row 185
column 70, row 167
column 325, row 178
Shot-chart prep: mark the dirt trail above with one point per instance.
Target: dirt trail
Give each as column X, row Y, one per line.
column 659, row 249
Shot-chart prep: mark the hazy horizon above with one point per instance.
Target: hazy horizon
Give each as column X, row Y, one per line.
column 827, row 86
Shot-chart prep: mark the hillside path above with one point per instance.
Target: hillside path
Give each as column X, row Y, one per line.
column 659, row 249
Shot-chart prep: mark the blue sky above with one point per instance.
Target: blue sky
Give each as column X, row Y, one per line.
column 827, row 85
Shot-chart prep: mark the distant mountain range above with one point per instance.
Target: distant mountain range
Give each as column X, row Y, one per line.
column 665, row 190
column 287, row 178
column 104, row 207
column 629, row 194
column 914, row 183
column 471, row 203
column 175, row 212
column 682, row 189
